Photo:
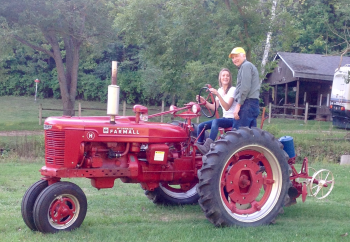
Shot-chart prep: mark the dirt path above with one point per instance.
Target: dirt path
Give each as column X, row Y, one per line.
column 21, row 133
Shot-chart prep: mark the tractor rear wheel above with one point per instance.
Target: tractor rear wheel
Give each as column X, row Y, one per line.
column 174, row 195
column 28, row 202
column 61, row 206
column 244, row 179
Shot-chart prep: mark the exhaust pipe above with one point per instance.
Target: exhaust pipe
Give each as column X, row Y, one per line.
column 113, row 95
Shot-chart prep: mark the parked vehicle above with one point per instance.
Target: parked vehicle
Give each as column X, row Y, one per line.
column 340, row 98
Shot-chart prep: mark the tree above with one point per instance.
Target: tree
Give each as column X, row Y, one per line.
column 58, row 28
column 268, row 39
column 312, row 24
column 189, row 40
column 249, row 21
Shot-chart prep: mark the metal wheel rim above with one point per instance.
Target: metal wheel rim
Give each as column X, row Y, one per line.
column 71, row 220
column 317, row 176
column 274, row 193
column 179, row 195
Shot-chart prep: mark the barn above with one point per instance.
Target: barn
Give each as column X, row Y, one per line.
column 299, row 79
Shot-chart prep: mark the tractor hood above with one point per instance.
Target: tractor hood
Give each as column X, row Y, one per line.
column 125, row 129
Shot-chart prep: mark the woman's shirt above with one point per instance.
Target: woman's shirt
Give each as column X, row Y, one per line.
column 226, row 97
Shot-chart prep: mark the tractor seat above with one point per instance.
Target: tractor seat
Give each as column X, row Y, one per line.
column 224, row 130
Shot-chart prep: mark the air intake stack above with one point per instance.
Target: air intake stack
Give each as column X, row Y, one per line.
column 113, row 95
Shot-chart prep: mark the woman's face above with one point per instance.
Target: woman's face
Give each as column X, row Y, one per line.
column 225, row 78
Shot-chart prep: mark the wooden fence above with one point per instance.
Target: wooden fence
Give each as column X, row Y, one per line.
column 274, row 111
column 289, row 111
column 81, row 109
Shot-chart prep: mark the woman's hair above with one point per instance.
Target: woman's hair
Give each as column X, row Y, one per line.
column 230, row 82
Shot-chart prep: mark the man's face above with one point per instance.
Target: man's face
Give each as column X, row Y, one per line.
column 238, row 59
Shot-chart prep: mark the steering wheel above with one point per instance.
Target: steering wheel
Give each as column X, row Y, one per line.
column 206, row 111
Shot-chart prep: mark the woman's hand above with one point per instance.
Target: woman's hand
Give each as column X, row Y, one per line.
column 214, row 91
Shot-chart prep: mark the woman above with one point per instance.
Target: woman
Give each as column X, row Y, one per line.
column 224, row 97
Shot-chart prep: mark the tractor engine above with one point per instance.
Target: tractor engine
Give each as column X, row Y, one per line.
column 92, row 147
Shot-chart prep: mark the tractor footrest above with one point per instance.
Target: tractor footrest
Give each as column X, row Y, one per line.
column 95, row 172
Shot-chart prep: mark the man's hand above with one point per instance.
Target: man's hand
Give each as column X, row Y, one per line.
column 201, row 99
column 236, row 111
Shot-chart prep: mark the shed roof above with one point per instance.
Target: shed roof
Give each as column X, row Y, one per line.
column 312, row 66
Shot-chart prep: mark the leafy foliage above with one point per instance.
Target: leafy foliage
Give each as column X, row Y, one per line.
column 166, row 50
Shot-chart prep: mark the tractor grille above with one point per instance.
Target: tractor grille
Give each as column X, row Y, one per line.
column 54, row 143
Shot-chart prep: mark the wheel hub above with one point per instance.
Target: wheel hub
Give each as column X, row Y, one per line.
column 243, row 181
column 62, row 210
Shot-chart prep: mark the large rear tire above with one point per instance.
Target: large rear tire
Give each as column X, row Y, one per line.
column 174, row 195
column 244, row 179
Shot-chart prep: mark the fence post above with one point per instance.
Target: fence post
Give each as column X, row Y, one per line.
column 162, row 117
column 79, row 112
column 40, row 113
column 124, row 107
column 270, row 111
column 306, row 112
column 328, row 100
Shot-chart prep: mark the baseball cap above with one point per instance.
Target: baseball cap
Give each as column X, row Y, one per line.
column 236, row 50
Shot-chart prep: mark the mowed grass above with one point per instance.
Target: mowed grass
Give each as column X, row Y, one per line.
column 123, row 213
column 319, row 141
column 21, row 113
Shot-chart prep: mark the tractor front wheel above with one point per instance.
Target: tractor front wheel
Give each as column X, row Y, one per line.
column 28, row 202
column 244, row 179
column 61, row 206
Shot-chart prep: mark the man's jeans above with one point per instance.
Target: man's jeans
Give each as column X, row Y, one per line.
column 247, row 114
column 213, row 125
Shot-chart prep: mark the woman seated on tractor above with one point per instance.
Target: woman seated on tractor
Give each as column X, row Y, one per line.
column 224, row 97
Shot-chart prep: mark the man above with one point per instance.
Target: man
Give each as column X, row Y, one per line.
column 247, row 90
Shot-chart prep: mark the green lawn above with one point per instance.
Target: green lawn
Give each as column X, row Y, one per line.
column 21, row 113
column 318, row 140
column 123, row 213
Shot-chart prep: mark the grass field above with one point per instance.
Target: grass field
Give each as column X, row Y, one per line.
column 21, row 113
column 318, row 140
column 123, row 213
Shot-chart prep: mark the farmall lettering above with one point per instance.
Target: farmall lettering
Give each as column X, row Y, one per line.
column 122, row 131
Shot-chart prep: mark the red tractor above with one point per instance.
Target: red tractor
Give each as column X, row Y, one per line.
column 244, row 179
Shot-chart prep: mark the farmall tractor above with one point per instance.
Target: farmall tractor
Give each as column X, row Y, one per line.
column 244, row 180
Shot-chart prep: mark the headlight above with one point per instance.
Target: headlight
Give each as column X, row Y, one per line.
column 172, row 108
column 196, row 108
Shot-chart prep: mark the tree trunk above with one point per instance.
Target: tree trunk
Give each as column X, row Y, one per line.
column 67, row 74
column 268, row 39
column 173, row 100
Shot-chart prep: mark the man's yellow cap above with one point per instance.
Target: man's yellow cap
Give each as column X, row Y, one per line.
column 236, row 50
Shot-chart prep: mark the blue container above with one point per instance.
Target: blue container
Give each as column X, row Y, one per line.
column 288, row 145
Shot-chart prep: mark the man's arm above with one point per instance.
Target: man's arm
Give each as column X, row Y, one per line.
column 246, row 82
